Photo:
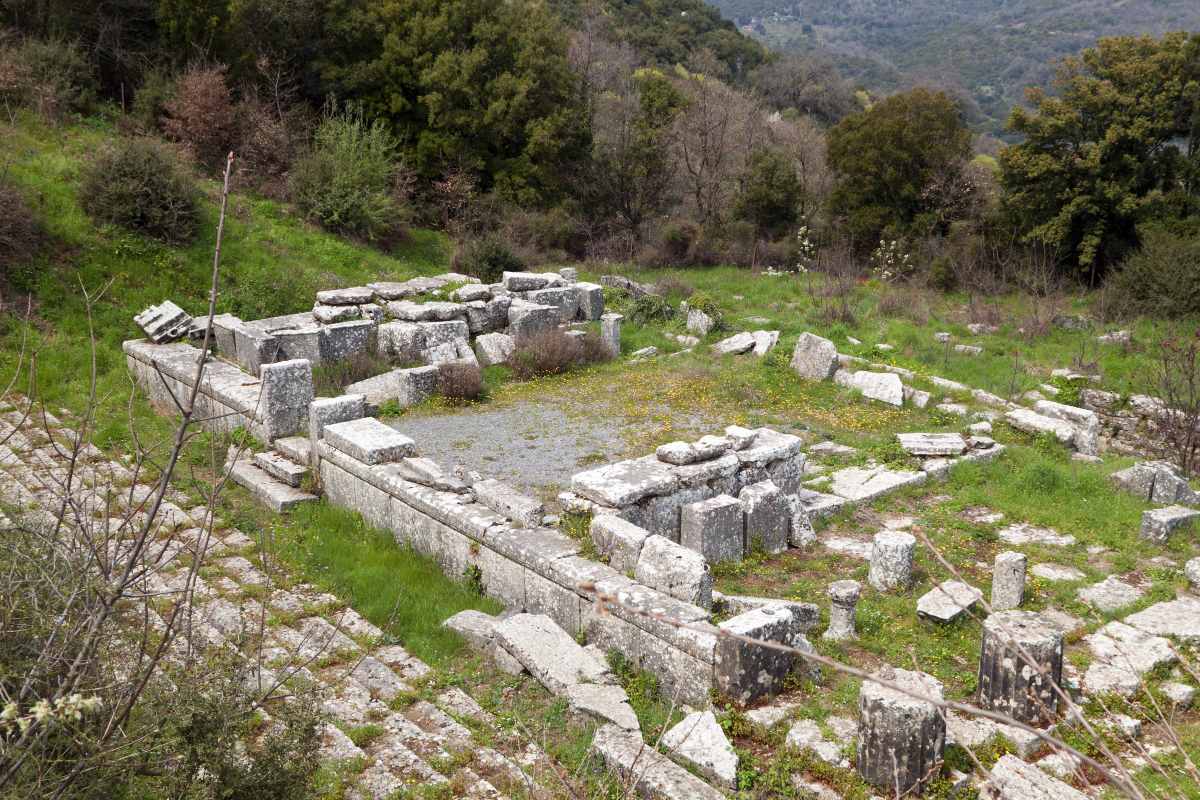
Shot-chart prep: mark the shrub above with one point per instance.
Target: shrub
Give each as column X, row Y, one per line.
column 1161, row 278
column 553, row 352
column 703, row 302
column 486, row 257
column 20, row 233
column 460, row 381
column 139, row 184
column 200, row 115
column 330, row 378
column 551, row 235
column 651, row 308
column 53, row 77
column 269, row 141
column 151, row 99
column 348, row 181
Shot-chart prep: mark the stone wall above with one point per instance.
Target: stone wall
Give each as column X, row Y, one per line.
column 540, row 570
column 269, row 407
column 1131, row 427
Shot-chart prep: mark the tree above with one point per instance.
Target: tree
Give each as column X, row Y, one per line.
column 809, row 85
column 483, row 85
column 1100, row 155
column 632, row 160
column 886, row 158
column 770, row 194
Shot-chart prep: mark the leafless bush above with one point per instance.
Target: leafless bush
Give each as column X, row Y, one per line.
column 1178, row 378
column 553, row 352
column 201, row 115
column 460, row 381
column 841, row 271
column 330, row 378
column 906, row 301
column 270, row 138
column 20, row 234
column 670, row 286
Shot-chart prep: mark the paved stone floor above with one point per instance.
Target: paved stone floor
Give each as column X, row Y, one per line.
column 312, row 638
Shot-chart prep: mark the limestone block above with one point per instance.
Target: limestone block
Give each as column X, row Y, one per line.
column 882, row 386
column 1020, row 664
column 606, row 703
column 1008, row 580
column 610, row 333
column 745, row 671
column 590, row 299
column 415, row 385
column 676, row 570
column 892, row 560
column 714, row 528
column 800, row 532
column 1179, row 618
column 435, row 311
column 287, row 391
column 549, row 653
column 814, row 358
column 1156, row 482
column 948, row 601
column 300, row 343
column 403, row 342
column 698, row 741
column 735, row 345
column 564, row 299
column 471, row 292
column 494, row 348
column 648, row 772
column 527, row 319
column 1013, row 779
column 355, row 296
column 1110, row 594
column 369, row 441
column 503, row 499
column 625, row 482
column 346, row 339
column 525, row 281
column 618, row 541
column 1158, row 524
column 901, row 737
column 476, row 627
column 1023, row 419
column 932, row 444
column 329, row 410
column 767, row 517
column 254, row 348
column 224, row 327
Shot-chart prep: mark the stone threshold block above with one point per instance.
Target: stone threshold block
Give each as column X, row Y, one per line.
column 368, row 440
column 948, row 601
column 1158, row 524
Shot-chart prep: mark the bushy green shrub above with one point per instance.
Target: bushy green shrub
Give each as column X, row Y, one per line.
column 140, row 185
column 701, row 301
column 487, row 257
column 1160, row 278
column 651, row 308
column 151, row 99
column 53, row 77
column 347, row 182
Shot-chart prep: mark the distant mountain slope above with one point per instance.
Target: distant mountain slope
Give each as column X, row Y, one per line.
column 989, row 49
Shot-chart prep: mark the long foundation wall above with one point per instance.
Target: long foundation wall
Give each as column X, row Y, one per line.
column 532, row 569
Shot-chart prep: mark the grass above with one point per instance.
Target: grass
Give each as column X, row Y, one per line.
column 264, row 241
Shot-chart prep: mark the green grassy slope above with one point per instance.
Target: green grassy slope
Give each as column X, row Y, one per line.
column 272, row 263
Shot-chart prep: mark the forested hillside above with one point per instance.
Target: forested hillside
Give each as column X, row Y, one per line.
column 988, row 51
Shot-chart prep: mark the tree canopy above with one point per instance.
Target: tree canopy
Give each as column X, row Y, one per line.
column 886, row 158
column 1104, row 153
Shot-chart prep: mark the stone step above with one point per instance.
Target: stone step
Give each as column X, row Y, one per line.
column 280, row 468
column 295, row 448
column 276, row 495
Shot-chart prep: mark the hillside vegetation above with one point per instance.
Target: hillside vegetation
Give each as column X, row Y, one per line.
column 987, row 52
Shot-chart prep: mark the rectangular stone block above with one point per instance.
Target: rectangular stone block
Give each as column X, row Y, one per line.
column 254, row 348
column 618, row 540
column 287, row 392
column 345, row 339
column 543, row 596
column 502, row 578
column 523, row 510
column 744, row 671
column 528, row 319
column 369, row 441
column 564, row 299
column 329, row 410
column 224, row 330
column 714, row 528
column 590, row 297
column 767, row 517
column 675, row 570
